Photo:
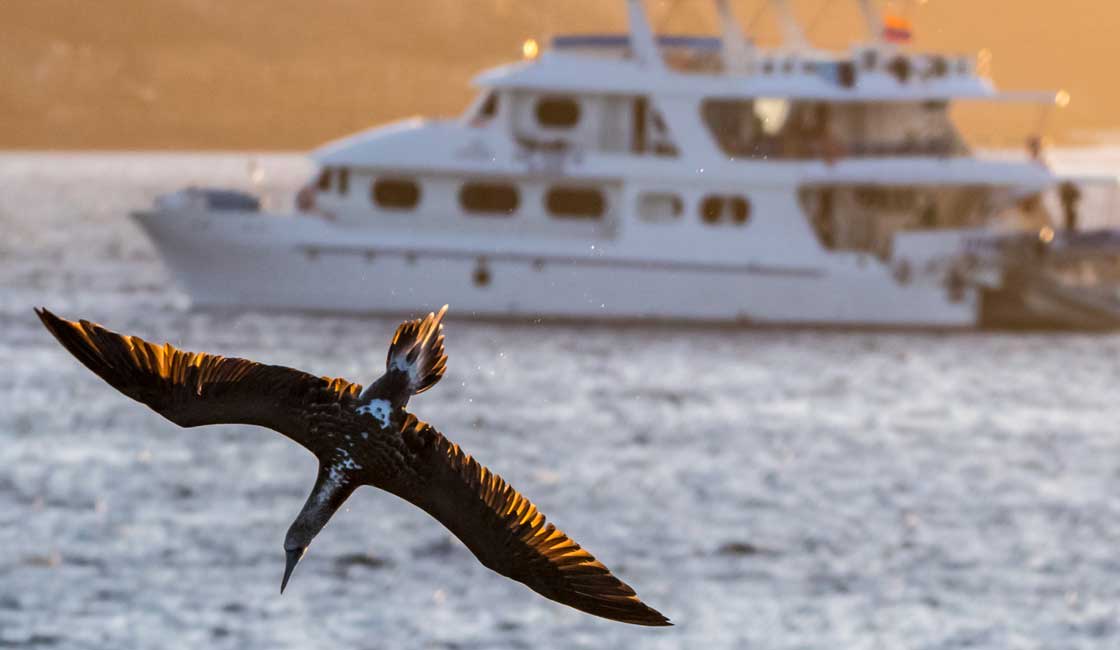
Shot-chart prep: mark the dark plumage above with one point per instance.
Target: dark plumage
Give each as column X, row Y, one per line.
column 363, row 438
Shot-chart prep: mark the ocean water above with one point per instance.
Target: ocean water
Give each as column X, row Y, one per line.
column 764, row 489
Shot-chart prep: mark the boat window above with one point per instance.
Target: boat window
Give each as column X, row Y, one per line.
column 733, row 123
column 489, row 107
column 650, row 134
column 715, row 209
column 660, row 207
column 740, row 209
column 901, row 68
column 711, row 209
column 557, row 112
column 772, row 113
column 324, row 180
column 639, row 119
column 396, row 193
column 885, row 198
column 344, row 180
column 938, row 67
column 496, row 199
column 575, row 202
column 867, row 218
column 484, row 110
column 744, row 127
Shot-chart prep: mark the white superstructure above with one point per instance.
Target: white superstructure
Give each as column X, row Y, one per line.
column 639, row 176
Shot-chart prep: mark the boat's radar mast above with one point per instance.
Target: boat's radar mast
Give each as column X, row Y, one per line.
column 792, row 34
column 642, row 41
column 873, row 21
column 738, row 53
column 738, row 50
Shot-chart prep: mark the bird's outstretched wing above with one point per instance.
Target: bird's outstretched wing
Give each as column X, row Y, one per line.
column 193, row 388
column 508, row 534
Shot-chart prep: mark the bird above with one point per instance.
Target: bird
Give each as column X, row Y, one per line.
column 363, row 436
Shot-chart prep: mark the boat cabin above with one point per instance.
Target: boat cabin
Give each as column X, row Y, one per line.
column 603, row 136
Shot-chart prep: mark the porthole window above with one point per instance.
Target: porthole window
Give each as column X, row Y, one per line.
column 344, row 180
column 396, row 193
column 557, row 112
column 733, row 210
column 496, row 199
column 711, row 209
column 324, row 180
column 575, row 202
column 481, row 274
column 660, row 207
column 740, row 210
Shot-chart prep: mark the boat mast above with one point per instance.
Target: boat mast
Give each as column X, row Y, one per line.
column 738, row 55
column 642, row 43
column 873, row 21
column 792, row 34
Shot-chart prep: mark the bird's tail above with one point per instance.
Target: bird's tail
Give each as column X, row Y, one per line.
column 416, row 359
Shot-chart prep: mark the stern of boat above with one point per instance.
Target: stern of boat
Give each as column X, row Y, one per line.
column 1063, row 281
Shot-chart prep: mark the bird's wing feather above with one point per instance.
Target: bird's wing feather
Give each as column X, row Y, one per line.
column 192, row 388
column 508, row 534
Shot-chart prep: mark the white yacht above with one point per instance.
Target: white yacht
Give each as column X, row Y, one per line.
column 642, row 176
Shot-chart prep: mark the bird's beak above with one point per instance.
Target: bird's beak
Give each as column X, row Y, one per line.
column 294, row 556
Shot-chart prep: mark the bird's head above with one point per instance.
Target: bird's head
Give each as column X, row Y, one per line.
column 315, row 514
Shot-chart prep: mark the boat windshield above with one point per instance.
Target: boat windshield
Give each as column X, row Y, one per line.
column 780, row 128
column 484, row 109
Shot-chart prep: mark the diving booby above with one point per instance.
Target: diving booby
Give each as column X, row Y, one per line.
column 363, row 437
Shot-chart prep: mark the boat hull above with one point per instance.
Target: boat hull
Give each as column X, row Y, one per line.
column 232, row 260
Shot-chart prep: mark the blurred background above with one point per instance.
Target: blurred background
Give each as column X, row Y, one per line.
column 771, row 489
column 286, row 74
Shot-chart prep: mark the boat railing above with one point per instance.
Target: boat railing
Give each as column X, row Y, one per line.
column 682, row 53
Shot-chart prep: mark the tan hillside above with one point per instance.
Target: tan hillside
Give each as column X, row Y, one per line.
column 282, row 74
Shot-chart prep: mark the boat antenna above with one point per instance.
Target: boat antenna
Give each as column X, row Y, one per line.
column 737, row 55
column 873, row 21
column 792, row 34
column 642, row 43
